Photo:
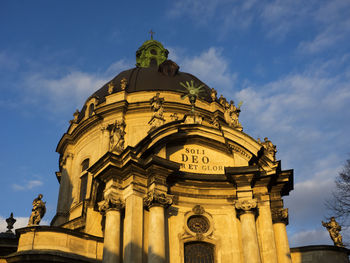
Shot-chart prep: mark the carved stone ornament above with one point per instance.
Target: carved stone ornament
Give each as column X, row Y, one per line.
column 116, row 136
column 38, row 211
column 123, row 83
column 110, row 87
column 174, row 117
column 269, row 149
column 10, row 222
column 213, row 94
column 198, row 210
column 111, row 201
column 334, row 231
column 231, row 115
column 222, row 101
column 215, row 122
column 246, row 205
column 279, row 215
column 155, row 198
column 75, row 115
column 193, row 118
column 198, row 224
column 157, row 119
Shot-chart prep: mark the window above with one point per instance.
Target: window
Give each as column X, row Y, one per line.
column 91, row 109
column 83, row 179
column 199, row 252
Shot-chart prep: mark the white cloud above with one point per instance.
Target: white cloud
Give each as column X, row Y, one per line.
column 20, row 222
column 68, row 91
column 212, row 67
column 27, row 185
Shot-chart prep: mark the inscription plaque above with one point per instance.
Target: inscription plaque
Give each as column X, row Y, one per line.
column 199, row 159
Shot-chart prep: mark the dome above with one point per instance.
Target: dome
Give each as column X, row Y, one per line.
column 153, row 72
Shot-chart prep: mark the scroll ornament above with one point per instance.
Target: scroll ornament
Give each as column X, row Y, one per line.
column 280, row 215
column 246, row 205
column 155, row 198
column 111, row 201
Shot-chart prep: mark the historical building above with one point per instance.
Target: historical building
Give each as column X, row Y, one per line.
column 156, row 168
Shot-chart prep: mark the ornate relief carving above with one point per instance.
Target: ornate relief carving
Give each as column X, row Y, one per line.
column 269, row 149
column 193, row 118
column 116, row 136
column 231, row 115
column 123, row 83
column 279, row 215
column 198, row 224
column 215, row 121
column 198, row 210
column 174, row 117
column 246, row 205
column 111, row 201
column 155, row 198
column 158, row 112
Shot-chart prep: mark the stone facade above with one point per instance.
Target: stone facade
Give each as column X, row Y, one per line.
column 152, row 176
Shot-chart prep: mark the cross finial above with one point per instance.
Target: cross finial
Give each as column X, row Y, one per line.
column 151, row 33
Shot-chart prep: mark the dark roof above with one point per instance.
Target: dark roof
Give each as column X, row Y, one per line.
column 166, row 78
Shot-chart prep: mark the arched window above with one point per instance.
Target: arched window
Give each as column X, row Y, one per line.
column 83, row 179
column 199, row 252
column 91, row 109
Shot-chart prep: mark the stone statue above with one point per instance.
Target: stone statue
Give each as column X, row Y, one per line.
column 110, row 87
column 334, row 228
column 270, row 149
column 38, row 211
column 75, row 115
column 231, row 115
column 116, row 136
column 158, row 112
column 123, row 83
column 213, row 94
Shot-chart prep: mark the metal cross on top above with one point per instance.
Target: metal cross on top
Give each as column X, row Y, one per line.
column 151, row 33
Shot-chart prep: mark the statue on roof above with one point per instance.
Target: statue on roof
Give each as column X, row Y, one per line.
column 269, row 149
column 231, row 114
column 38, row 211
column 334, row 231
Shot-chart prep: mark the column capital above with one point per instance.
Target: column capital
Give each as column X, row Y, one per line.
column 112, row 201
column 279, row 215
column 246, row 205
column 156, row 198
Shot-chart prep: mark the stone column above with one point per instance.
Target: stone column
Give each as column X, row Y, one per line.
column 133, row 226
column 280, row 220
column 266, row 232
column 246, row 209
column 111, row 207
column 156, row 202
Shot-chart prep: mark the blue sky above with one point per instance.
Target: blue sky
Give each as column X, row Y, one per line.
column 287, row 60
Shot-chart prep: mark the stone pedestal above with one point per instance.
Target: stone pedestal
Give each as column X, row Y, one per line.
column 156, row 203
column 246, row 211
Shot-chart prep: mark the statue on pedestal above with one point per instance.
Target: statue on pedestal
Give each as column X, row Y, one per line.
column 334, row 228
column 38, row 211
